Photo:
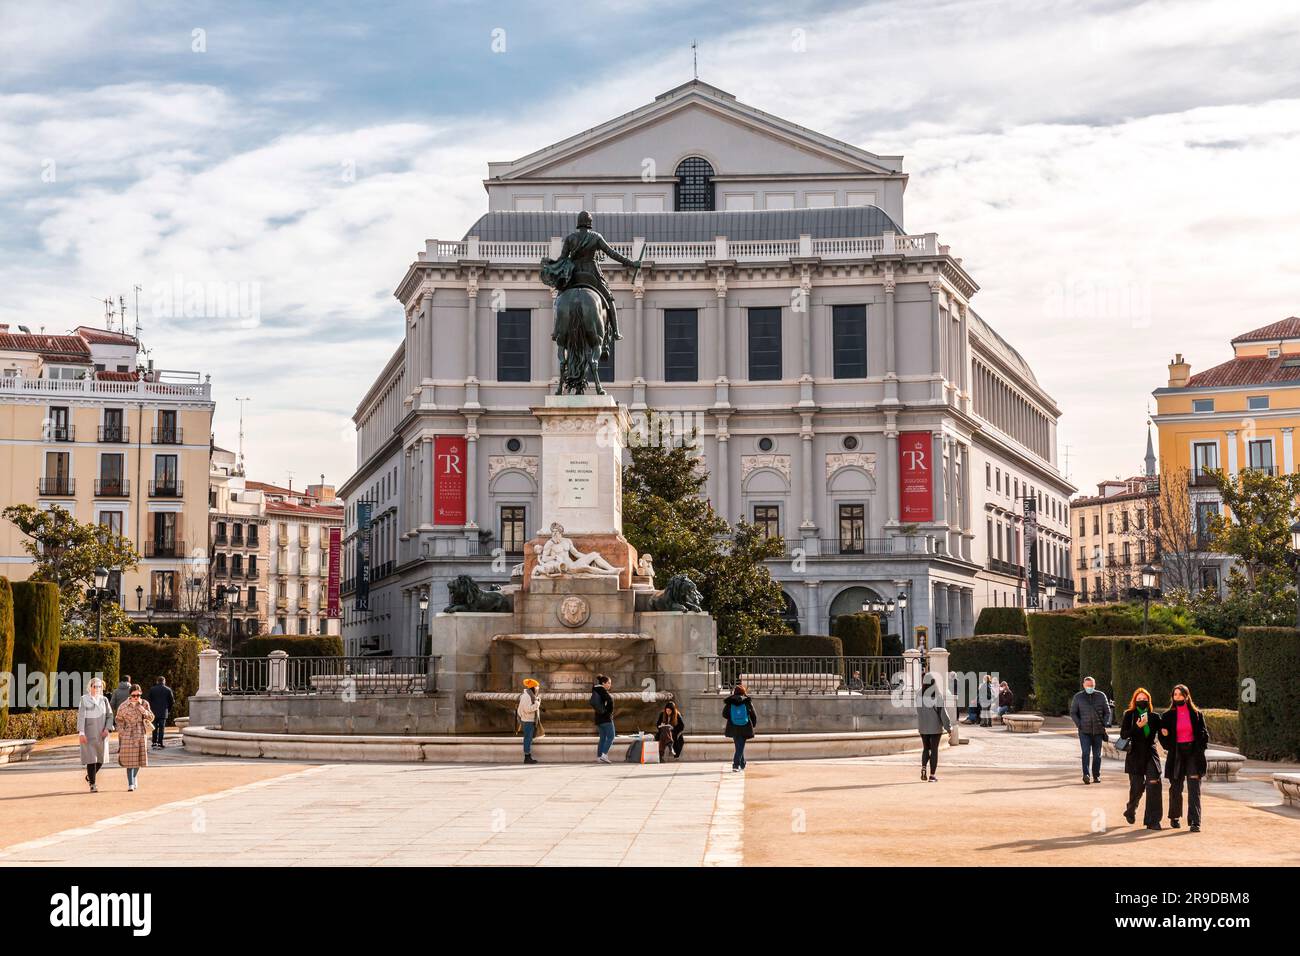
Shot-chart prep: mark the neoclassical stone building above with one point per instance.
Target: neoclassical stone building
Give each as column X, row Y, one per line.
column 847, row 396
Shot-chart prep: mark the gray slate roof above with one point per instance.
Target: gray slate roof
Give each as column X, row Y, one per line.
column 838, row 222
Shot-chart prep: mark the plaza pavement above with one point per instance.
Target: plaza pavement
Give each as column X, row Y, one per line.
column 1003, row 799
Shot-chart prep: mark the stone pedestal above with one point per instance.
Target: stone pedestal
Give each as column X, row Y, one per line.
column 583, row 437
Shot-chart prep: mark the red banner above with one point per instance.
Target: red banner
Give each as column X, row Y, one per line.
column 336, row 550
column 449, row 453
column 915, row 477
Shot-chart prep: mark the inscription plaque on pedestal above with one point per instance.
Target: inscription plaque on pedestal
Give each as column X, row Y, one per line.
column 578, row 481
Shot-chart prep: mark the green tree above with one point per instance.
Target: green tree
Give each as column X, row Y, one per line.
column 666, row 514
column 66, row 552
column 1256, row 528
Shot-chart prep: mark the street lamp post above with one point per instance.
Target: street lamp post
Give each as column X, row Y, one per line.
column 229, row 594
column 424, row 607
column 1050, row 591
column 902, row 617
column 1147, row 591
column 139, row 597
column 97, row 597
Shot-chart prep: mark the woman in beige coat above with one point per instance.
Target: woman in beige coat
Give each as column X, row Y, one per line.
column 134, row 725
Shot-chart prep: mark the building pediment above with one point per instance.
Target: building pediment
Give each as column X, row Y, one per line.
column 696, row 119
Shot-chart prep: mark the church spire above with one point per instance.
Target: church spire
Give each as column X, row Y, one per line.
column 1150, row 471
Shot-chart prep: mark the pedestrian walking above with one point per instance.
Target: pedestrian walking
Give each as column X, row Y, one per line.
column 134, row 722
column 602, row 705
column 162, row 702
column 1185, row 738
column 738, row 711
column 529, row 713
column 670, row 730
column 931, row 722
column 94, row 722
column 1005, row 700
column 1090, row 711
column 1141, row 728
column 121, row 692
column 988, row 699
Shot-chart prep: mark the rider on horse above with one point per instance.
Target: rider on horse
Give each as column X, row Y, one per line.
column 577, row 266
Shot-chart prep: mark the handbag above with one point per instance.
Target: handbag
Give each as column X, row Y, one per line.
column 1122, row 744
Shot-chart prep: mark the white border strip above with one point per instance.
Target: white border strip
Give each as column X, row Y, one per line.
column 726, row 845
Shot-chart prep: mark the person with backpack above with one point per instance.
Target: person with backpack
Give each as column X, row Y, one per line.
column 602, row 706
column 738, row 711
column 1141, row 729
column 1185, row 738
column 931, row 721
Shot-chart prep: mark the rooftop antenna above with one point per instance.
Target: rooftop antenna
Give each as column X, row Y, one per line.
column 1067, row 461
column 241, row 432
column 108, row 312
column 695, row 58
column 121, row 314
column 138, row 289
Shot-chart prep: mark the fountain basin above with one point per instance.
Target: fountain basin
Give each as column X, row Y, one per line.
column 571, row 659
column 572, row 709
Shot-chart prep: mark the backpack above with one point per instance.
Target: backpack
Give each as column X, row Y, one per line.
column 739, row 714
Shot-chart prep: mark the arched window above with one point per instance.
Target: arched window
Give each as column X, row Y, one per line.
column 694, row 185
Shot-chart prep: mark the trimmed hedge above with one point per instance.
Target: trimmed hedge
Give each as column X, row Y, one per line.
column 798, row 645
column 310, row 645
column 176, row 658
column 1006, row 655
column 1054, row 638
column 1223, row 725
column 1269, row 712
column 859, row 633
column 1002, row 620
column 1207, row 665
column 36, row 628
column 891, row 645
column 100, row 658
column 1095, row 654
column 6, row 649
column 42, row 724
column 164, row 628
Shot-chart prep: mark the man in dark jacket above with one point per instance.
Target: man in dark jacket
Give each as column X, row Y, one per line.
column 602, row 706
column 738, row 711
column 121, row 692
column 1090, row 711
column 162, row 702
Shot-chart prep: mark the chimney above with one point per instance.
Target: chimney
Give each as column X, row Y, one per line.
column 1179, row 372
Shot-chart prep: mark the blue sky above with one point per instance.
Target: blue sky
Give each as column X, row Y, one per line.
column 1119, row 177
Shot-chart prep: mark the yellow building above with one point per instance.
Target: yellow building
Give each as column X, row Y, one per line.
column 83, row 425
column 1237, row 415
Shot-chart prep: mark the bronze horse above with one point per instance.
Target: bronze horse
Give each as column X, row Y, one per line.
column 580, row 338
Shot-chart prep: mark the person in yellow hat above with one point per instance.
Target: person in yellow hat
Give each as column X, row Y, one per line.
column 529, row 713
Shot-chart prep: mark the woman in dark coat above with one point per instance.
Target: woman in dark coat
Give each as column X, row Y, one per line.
column 1141, row 728
column 1185, row 738
column 738, row 711
column 670, row 725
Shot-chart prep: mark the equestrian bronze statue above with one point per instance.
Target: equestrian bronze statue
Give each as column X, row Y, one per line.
column 586, row 319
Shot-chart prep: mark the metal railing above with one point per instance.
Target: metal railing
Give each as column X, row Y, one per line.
column 112, row 488
column 164, row 548
column 60, row 433
column 804, row 675
column 168, row 436
column 115, row 434
column 57, row 486
column 168, row 488
column 300, row 676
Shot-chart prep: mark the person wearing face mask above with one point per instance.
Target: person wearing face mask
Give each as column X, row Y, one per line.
column 1090, row 711
column 1185, row 738
column 1141, row 728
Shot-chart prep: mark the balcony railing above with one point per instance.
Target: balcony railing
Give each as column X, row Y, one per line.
column 112, row 488
column 220, row 571
column 169, row 488
column 164, row 548
column 167, row 604
column 168, row 436
column 115, row 434
column 902, row 544
column 251, row 574
column 1262, row 469
column 194, row 391
column 771, row 250
column 220, row 541
column 1200, row 479
column 60, row 432
column 764, row 675
column 1005, row 567
column 57, row 486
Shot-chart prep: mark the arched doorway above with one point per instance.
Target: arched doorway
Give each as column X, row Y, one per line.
column 849, row 601
column 790, row 613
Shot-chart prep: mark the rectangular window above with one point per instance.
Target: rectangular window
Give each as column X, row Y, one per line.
column 1202, row 405
column 302, row 625
column 681, row 345
column 112, row 521
column 1205, row 457
column 514, row 345
column 513, row 531
column 111, row 469
column 1082, row 526
column 168, row 433
column 768, row 519
column 764, row 344
column 113, row 430
column 988, row 475
column 1205, row 511
column 1260, row 454
column 1257, row 403
column 849, row 341
column 252, row 536
column 162, row 590
column 1096, row 524
column 60, row 427
column 853, row 526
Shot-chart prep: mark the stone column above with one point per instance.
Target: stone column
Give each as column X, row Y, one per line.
column 637, row 365
column 722, row 470
column 954, row 612
column 1288, row 451
column 1232, row 451
column 808, row 525
column 911, row 674
column 209, row 669
column 964, row 376
column 891, row 342
column 426, row 350
column 936, row 338
column 938, row 661
column 813, row 610
column 471, row 477
column 471, row 324
column 276, row 668
column 426, row 484
column 939, row 488
column 720, row 315
column 806, row 323
column 891, row 474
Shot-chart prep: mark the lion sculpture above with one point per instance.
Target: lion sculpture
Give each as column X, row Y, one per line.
column 680, row 594
column 468, row 596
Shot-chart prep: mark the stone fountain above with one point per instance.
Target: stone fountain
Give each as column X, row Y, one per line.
column 582, row 603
